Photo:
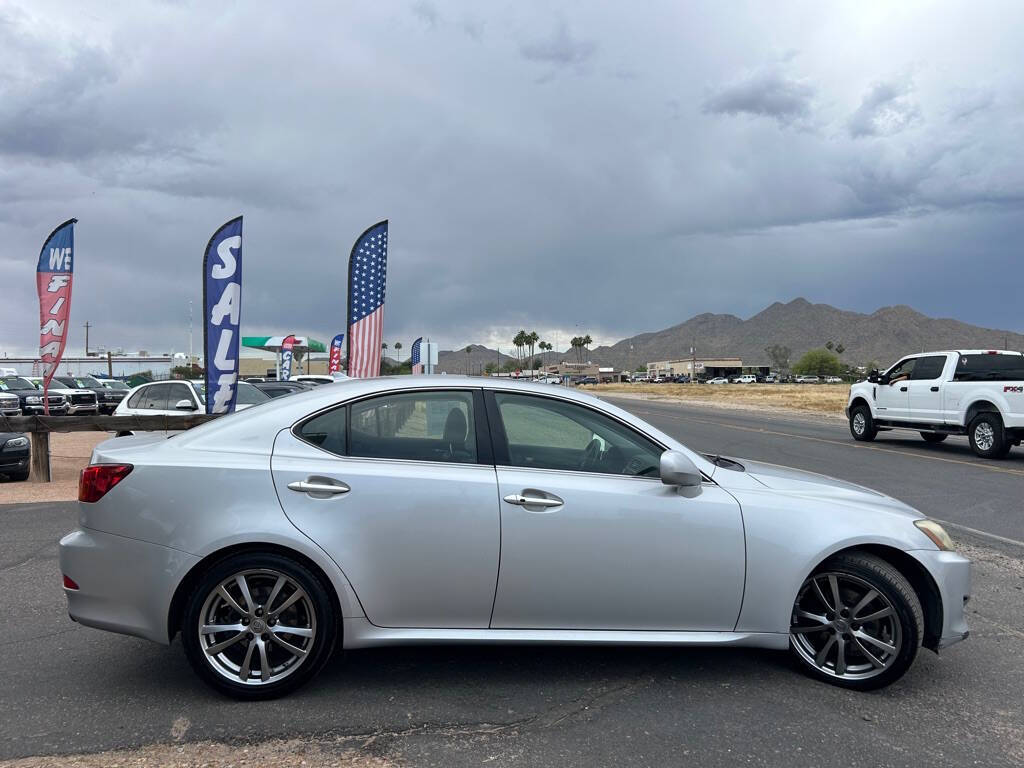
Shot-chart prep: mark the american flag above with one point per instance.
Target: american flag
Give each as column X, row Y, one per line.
column 417, row 366
column 367, row 278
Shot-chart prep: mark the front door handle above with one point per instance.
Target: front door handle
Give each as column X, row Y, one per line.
column 903, row 389
column 935, row 389
column 532, row 501
column 328, row 488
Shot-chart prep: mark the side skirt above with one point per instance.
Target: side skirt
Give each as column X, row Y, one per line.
column 360, row 633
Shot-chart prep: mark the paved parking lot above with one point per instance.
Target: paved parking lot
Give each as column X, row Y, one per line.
column 71, row 689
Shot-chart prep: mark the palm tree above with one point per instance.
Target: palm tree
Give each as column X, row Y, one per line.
column 383, row 346
column 398, row 351
column 520, row 341
column 531, row 340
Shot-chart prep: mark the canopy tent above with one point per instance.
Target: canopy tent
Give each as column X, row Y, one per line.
column 273, row 343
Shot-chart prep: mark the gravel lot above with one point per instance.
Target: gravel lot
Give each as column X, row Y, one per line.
column 69, row 452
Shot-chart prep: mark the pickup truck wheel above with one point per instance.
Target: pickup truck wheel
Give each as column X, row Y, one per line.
column 862, row 426
column 934, row 437
column 987, row 436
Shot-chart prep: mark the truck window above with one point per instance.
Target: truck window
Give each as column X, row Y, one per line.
column 989, row 368
column 928, row 368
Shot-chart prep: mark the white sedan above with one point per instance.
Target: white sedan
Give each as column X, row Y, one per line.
column 450, row 509
column 178, row 397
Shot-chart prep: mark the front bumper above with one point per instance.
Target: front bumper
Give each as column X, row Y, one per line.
column 952, row 574
column 13, row 461
column 125, row 585
column 75, row 410
column 38, row 410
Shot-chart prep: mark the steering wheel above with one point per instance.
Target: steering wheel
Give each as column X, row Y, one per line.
column 591, row 454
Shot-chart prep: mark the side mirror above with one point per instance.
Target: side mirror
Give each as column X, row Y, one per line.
column 677, row 469
column 184, row 405
column 873, row 376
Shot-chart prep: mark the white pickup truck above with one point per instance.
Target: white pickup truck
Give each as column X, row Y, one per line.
column 978, row 393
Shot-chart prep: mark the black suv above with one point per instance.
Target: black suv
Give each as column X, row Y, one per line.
column 31, row 398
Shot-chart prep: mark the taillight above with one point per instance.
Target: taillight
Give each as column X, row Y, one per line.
column 69, row 583
column 97, row 479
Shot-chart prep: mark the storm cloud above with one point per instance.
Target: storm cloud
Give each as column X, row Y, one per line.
column 570, row 168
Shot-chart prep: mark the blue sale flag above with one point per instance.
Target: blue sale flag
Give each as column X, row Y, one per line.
column 222, row 308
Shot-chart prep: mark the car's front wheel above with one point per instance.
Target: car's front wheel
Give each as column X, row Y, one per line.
column 856, row 622
column 862, row 426
column 258, row 626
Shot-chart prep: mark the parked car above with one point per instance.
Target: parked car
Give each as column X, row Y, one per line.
column 833, row 380
column 588, row 380
column 976, row 392
column 683, row 378
column 282, row 388
column 107, row 398
column 31, row 399
column 747, row 378
column 14, row 455
column 316, row 378
column 806, row 380
column 174, row 398
column 771, row 378
column 80, row 402
column 718, row 380
column 10, row 404
column 364, row 515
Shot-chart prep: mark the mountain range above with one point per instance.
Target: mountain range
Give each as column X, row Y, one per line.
column 880, row 337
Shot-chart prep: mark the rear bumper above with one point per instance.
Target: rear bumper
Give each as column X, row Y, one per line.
column 952, row 574
column 125, row 585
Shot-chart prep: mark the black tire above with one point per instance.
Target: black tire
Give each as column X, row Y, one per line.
column 934, row 437
column 19, row 476
column 891, row 585
column 268, row 566
column 862, row 430
column 987, row 436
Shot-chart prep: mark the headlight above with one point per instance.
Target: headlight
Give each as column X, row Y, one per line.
column 936, row 533
column 15, row 443
column 33, row 400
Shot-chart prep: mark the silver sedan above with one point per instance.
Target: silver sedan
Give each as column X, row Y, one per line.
column 445, row 510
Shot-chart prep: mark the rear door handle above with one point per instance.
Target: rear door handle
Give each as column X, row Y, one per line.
column 319, row 487
column 532, row 501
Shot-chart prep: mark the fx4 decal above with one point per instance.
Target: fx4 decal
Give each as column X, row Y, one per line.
column 1018, row 390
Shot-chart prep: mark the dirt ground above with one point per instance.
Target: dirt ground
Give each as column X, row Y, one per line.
column 69, row 452
column 807, row 398
column 271, row 754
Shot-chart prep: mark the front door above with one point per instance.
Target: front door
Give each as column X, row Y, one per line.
column 400, row 491
column 592, row 539
column 925, row 389
column 892, row 399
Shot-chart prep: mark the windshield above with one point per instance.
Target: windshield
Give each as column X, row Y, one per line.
column 65, row 381
column 87, row 382
column 15, row 382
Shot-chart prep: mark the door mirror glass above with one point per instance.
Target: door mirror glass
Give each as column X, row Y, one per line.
column 184, row 405
column 678, row 469
column 873, row 377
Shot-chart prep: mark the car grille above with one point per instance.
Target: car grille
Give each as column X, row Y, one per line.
column 83, row 399
column 9, row 403
column 56, row 400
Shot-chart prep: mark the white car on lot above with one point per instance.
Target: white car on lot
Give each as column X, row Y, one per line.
column 174, row 398
column 806, row 380
column 833, row 380
column 747, row 378
column 718, row 380
column 318, row 378
column 976, row 392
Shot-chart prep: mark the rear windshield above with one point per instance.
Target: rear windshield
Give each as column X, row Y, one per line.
column 990, row 368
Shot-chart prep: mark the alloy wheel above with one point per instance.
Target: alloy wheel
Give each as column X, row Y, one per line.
column 984, row 436
column 257, row 627
column 845, row 627
column 859, row 423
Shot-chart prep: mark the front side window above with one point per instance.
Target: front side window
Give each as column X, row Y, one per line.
column 928, row 368
column 901, row 371
column 421, row 426
column 176, row 393
column 546, row 433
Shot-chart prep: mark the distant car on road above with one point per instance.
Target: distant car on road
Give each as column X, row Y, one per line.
column 364, row 515
column 718, row 380
column 975, row 392
column 14, row 455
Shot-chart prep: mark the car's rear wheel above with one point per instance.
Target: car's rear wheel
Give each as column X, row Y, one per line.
column 258, row 626
column 987, row 436
column 934, row 437
column 856, row 622
column 862, row 426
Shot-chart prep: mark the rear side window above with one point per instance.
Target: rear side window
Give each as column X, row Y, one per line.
column 135, row 400
column 154, row 398
column 928, row 368
column 326, row 431
column 421, row 426
column 989, row 368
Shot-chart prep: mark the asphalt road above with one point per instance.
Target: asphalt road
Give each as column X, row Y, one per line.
column 70, row 689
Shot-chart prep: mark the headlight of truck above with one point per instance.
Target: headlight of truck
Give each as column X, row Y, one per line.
column 936, row 533
column 33, row 400
column 15, row 443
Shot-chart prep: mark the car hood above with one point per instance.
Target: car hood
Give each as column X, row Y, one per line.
column 813, row 485
column 66, row 391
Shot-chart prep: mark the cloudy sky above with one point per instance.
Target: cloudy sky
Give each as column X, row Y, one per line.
column 547, row 165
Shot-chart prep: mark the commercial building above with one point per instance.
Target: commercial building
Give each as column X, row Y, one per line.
column 706, row 367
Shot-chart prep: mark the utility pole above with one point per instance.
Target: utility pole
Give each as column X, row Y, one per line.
column 86, row 326
column 693, row 362
column 190, row 336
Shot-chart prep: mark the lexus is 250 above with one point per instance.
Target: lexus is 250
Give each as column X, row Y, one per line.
column 472, row 510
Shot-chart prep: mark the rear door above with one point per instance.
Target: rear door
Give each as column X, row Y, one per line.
column 925, row 389
column 399, row 489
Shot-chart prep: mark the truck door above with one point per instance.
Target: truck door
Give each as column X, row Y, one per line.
column 892, row 399
column 925, row 389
